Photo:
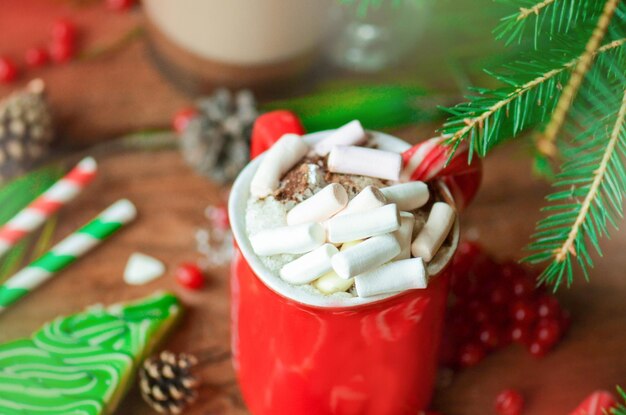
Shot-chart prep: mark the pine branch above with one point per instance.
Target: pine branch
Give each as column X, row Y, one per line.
column 551, row 16
column 545, row 142
column 530, row 98
column 592, row 183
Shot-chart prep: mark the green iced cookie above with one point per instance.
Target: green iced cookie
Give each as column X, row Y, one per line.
column 82, row 364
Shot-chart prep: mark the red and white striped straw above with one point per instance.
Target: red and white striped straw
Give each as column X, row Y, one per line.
column 38, row 211
column 427, row 160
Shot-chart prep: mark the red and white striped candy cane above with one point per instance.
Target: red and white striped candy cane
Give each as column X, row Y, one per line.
column 48, row 203
column 427, row 160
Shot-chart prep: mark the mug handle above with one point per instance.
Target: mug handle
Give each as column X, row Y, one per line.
column 270, row 127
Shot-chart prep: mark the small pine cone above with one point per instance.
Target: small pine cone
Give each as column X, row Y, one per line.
column 166, row 382
column 216, row 142
column 25, row 130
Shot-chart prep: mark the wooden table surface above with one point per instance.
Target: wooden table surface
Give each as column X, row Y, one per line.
column 102, row 98
column 171, row 199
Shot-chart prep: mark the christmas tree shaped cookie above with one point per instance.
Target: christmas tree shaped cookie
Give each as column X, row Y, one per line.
column 82, row 364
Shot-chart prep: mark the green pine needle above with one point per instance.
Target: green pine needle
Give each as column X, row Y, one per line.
column 621, row 409
column 590, row 187
column 546, row 18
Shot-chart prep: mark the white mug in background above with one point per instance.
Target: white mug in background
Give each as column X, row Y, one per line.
column 236, row 43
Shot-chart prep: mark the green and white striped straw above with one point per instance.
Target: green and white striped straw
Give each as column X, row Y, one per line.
column 66, row 252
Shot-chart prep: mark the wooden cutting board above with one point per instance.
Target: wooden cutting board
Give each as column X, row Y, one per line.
column 171, row 200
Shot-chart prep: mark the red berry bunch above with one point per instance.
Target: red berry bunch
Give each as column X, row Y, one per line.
column 61, row 48
column 496, row 304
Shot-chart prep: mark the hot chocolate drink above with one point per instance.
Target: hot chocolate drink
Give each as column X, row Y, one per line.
column 336, row 217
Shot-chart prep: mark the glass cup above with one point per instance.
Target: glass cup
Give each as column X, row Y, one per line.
column 316, row 355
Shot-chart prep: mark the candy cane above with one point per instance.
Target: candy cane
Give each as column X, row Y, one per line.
column 598, row 403
column 427, row 160
column 66, row 252
column 48, row 203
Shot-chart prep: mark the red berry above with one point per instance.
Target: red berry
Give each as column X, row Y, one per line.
column 36, row 57
column 479, row 312
column 190, row 276
column 499, row 295
column 182, row 118
column 471, row 354
column 548, row 306
column 520, row 333
column 523, row 312
column 466, row 254
column 509, row 402
column 489, row 336
column 64, row 31
column 61, row 51
column 120, row 5
column 522, row 286
column 511, row 269
column 537, row 349
column 8, row 70
column 469, row 248
column 548, row 332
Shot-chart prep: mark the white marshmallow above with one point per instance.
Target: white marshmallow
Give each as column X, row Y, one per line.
column 404, row 235
column 319, row 207
column 350, row 134
column 281, row 157
column 434, row 232
column 368, row 198
column 365, row 256
column 391, row 278
column 362, row 225
column 407, row 196
column 309, row 266
column 331, row 283
column 296, row 239
column 365, row 162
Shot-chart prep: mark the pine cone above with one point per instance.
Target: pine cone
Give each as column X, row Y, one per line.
column 167, row 383
column 216, row 142
column 25, row 130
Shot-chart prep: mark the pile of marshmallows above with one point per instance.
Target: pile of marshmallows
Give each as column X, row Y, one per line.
column 374, row 230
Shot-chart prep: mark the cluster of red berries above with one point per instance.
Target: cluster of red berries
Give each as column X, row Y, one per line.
column 61, row 48
column 495, row 304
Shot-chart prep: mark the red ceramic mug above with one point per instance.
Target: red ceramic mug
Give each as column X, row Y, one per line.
column 301, row 353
